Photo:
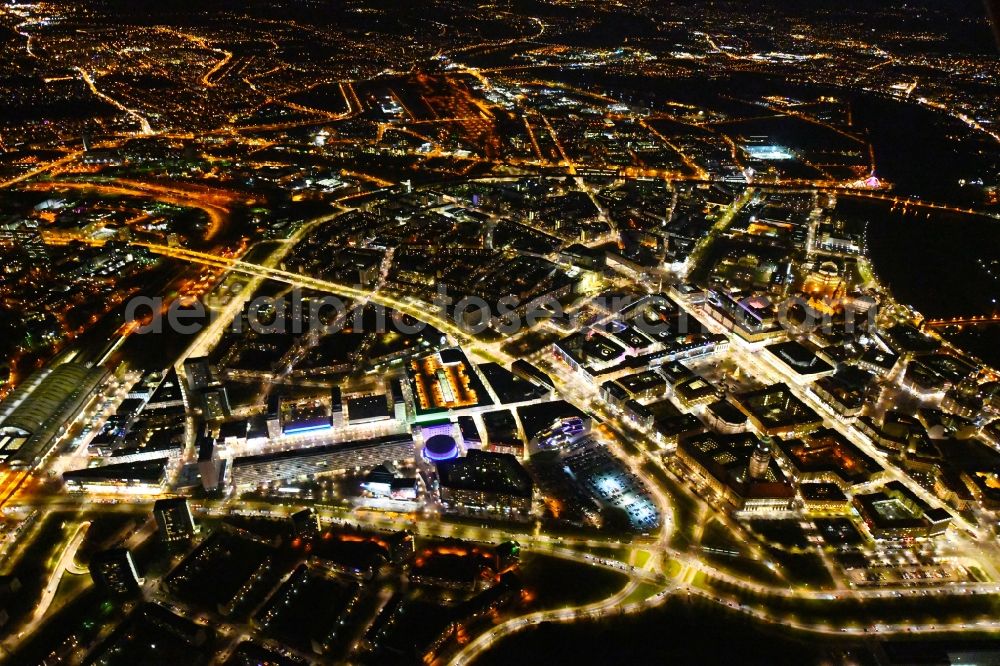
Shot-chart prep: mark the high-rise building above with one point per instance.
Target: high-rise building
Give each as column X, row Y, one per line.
column 114, row 572
column 215, row 403
column 398, row 401
column 336, row 407
column 760, row 460
column 197, row 374
column 174, row 519
column 273, row 414
column 209, row 463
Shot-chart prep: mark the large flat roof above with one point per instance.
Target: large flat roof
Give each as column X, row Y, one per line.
column 827, row 451
column 776, row 406
column 40, row 407
column 486, row 471
column 149, row 471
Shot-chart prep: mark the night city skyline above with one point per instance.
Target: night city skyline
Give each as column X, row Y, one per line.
column 534, row 331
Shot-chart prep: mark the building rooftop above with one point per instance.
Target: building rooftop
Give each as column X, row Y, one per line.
column 34, row 413
column 826, row 451
column 366, row 407
column 508, row 387
column 799, row 358
column 446, row 380
column 313, row 451
column 486, row 471
column 501, row 427
column 847, row 386
column 896, row 509
column 539, row 417
column 905, row 339
column 878, row 359
column 819, row 492
column 147, row 471
column 776, row 409
column 590, row 348
column 677, row 425
column 727, row 412
column 727, row 458
column 694, row 389
column 641, row 382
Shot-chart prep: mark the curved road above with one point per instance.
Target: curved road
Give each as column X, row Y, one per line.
column 66, row 562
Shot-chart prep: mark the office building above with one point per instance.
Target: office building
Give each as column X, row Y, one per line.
column 174, row 519
column 485, row 482
column 197, row 374
column 113, row 571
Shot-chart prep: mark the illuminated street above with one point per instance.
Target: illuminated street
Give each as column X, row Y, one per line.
column 554, row 332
